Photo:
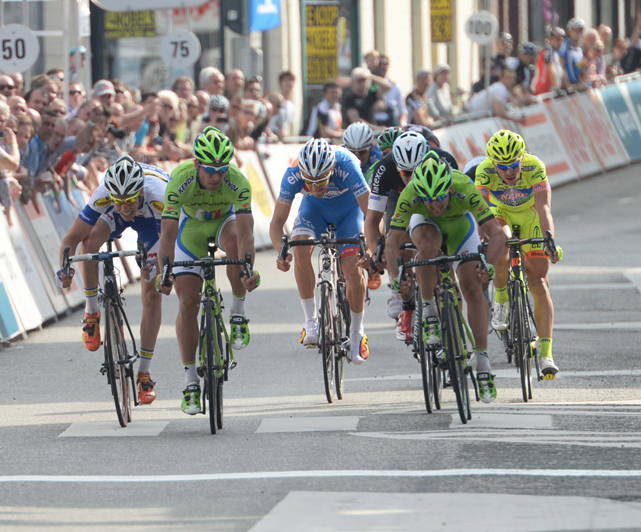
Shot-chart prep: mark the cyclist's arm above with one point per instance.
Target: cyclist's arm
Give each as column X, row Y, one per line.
column 542, row 204
column 168, row 236
column 245, row 232
column 363, row 200
column 281, row 213
column 492, row 229
column 78, row 232
column 372, row 228
column 393, row 250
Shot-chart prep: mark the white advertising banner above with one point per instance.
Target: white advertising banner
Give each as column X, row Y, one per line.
column 542, row 140
column 576, row 142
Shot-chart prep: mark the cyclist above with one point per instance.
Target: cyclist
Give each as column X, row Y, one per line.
column 442, row 206
column 207, row 197
column 131, row 195
column 386, row 140
column 390, row 176
column 358, row 139
column 334, row 191
column 516, row 186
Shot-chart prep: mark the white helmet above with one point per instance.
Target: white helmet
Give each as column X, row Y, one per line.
column 358, row 136
column 316, row 159
column 409, row 149
column 125, row 177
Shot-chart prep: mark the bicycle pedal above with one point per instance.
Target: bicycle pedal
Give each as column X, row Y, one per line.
column 200, row 371
column 548, row 377
column 103, row 370
column 233, row 365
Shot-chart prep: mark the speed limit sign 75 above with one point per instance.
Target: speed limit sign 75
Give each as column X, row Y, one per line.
column 19, row 48
column 180, row 48
column 482, row 27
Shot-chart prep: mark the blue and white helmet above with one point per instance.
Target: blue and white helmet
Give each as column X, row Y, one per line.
column 358, row 136
column 125, row 177
column 409, row 149
column 316, row 159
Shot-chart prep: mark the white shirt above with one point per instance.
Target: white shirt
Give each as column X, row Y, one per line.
column 498, row 91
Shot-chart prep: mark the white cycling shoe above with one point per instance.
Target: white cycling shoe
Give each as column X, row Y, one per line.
column 548, row 368
column 309, row 335
column 500, row 320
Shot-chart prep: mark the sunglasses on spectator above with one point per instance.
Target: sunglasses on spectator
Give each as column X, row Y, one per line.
column 126, row 201
column 167, row 105
column 218, row 109
column 439, row 198
column 7, row 87
column 75, row 93
column 211, row 170
column 512, row 166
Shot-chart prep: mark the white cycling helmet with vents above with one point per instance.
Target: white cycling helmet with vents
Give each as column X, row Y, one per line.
column 409, row 149
column 358, row 136
column 125, row 177
column 316, row 160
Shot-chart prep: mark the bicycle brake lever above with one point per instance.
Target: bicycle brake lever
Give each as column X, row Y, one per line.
column 380, row 247
column 66, row 264
column 165, row 271
column 401, row 269
column 283, row 249
column 248, row 264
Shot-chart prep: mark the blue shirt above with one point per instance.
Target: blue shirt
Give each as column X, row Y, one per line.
column 346, row 177
column 572, row 61
column 374, row 157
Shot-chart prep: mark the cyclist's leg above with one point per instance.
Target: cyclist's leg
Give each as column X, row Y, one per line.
column 501, row 304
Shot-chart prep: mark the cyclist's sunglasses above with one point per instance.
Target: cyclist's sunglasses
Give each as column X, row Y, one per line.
column 360, row 152
column 320, row 180
column 506, row 167
column 211, row 170
column 126, row 201
column 439, row 198
column 405, row 173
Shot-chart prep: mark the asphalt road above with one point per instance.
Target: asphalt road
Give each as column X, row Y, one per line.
column 375, row 461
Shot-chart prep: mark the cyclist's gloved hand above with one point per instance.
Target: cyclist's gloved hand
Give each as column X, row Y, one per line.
column 253, row 282
column 559, row 253
column 491, row 271
column 558, row 250
column 59, row 279
column 164, row 289
column 396, row 284
column 151, row 268
column 62, row 281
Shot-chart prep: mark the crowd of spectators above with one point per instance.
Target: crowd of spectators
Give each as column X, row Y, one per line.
column 46, row 145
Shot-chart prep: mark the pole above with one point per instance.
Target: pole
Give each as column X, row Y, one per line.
column 65, row 51
column 25, row 22
column 487, row 75
column 1, row 14
column 77, row 42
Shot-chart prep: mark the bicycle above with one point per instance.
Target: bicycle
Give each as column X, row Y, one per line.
column 334, row 318
column 119, row 361
column 456, row 337
column 520, row 339
column 213, row 365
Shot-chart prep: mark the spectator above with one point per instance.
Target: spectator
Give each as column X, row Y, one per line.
column 595, row 59
column 439, row 99
column 605, row 33
column 620, row 49
column 46, row 84
column 25, row 132
column 88, row 108
column 7, row 86
column 212, row 80
column 121, row 92
column 234, row 84
column 58, row 76
column 168, row 105
column 18, row 80
column 504, row 47
column 9, row 160
column 326, row 120
column 571, row 54
column 276, row 121
column 59, row 107
column 416, row 101
column 74, row 125
column 548, row 72
column 217, row 113
column 252, row 90
column 194, row 118
column 203, row 101
column 524, row 72
column 104, row 92
column 37, row 99
column 18, row 106
column 76, row 97
column 286, row 82
column 73, row 74
column 35, row 118
column 183, row 87
column 393, row 96
column 372, row 60
column 359, row 104
column 500, row 94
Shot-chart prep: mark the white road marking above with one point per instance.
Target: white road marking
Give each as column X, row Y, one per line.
column 506, row 421
column 634, row 275
column 628, row 440
column 271, row 475
column 110, row 429
column 596, row 327
column 595, row 286
column 426, row 512
column 308, row 424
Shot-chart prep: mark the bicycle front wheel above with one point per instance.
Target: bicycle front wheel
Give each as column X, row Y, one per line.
column 340, row 331
column 455, row 358
column 326, row 340
column 116, row 357
column 211, row 381
column 522, row 341
column 424, row 355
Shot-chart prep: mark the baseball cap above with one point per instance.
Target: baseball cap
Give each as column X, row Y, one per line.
column 441, row 67
column 104, row 87
column 552, row 32
column 83, row 50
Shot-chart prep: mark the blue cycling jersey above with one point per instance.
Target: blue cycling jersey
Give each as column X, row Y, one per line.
column 574, row 62
column 346, row 177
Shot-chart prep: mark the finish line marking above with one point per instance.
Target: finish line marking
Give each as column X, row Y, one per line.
column 267, row 475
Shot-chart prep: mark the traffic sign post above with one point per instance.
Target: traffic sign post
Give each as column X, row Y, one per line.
column 19, row 48
column 481, row 28
column 180, row 48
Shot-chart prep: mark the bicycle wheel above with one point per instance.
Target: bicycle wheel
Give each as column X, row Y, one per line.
column 423, row 355
column 437, row 377
column 116, row 355
column 522, row 341
column 455, row 360
column 339, row 352
column 211, row 381
column 219, row 372
column 326, row 340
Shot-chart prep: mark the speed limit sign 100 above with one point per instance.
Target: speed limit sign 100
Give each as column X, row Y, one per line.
column 19, row 48
column 180, row 48
column 482, row 27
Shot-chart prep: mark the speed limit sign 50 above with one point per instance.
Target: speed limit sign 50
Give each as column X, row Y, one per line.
column 19, row 48
column 482, row 27
column 180, row 48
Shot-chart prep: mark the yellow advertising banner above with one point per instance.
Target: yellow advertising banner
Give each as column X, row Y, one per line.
column 441, row 20
column 322, row 43
column 130, row 24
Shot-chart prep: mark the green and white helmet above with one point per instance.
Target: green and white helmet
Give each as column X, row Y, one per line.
column 388, row 136
column 432, row 177
column 213, row 147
